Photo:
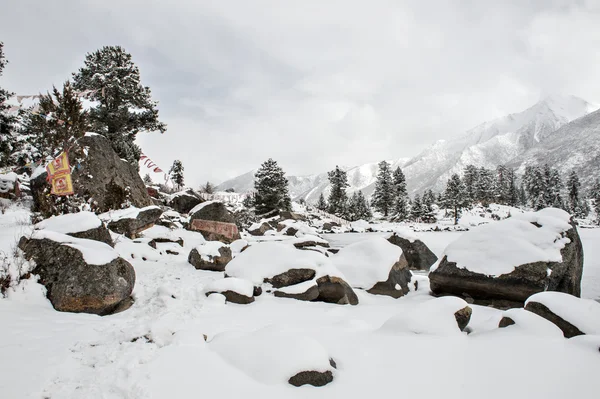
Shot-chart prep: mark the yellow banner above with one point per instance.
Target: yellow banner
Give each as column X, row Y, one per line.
column 59, row 165
column 62, row 185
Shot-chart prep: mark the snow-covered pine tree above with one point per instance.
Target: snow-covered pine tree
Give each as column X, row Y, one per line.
column 321, row 203
column 351, row 211
column 400, row 196
column 59, row 122
column 512, row 192
column 554, row 188
column 485, row 186
column 416, row 209
column 362, row 208
column 573, row 188
column 502, row 185
column 383, row 196
column 6, row 120
column 125, row 107
column 428, row 210
column 595, row 197
column 338, row 199
column 271, row 188
column 207, row 188
column 454, row 196
column 470, row 178
column 176, row 174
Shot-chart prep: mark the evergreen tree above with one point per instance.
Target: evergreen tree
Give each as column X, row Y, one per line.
column 595, row 197
column 147, row 179
column 416, row 209
column 428, row 211
column 271, row 188
column 321, row 203
column 485, row 186
column 176, row 174
column 362, row 208
column 58, row 123
column 352, row 211
column 337, row 200
column 383, row 196
column 6, row 121
column 207, row 188
column 512, row 191
column 522, row 196
column 502, row 185
column 455, row 197
column 125, row 107
column 470, row 179
column 573, row 188
column 554, row 189
column 400, row 196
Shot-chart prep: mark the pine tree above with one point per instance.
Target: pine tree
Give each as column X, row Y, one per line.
column 416, row 209
column 207, row 188
column 573, row 188
column 595, row 197
column 485, row 186
column 176, row 173
column 383, row 196
column 502, row 185
column 337, row 200
column 6, row 121
column 554, row 188
column 321, row 203
column 428, row 211
column 470, row 178
column 271, row 188
column 512, row 192
column 361, row 207
column 59, row 121
column 400, row 196
column 455, row 197
column 147, row 179
column 125, row 107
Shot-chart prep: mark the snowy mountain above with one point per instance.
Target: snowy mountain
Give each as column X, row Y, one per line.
column 554, row 130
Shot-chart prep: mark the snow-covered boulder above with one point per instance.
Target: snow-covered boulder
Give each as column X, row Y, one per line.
column 439, row 316
column 308, row 241
column 9, row 185
column 100, row 177
column 132, row 221
column 81, row 225
column 374, row 265
column 234, row 289
column 80, row 275
column 211, row 255
column 214, row 221
column 184, row 201
column 282, row 265
column 523, row 322
column 417, row 254
column 304, row 291
column 273, row 356
column 504, row 263
column 259, row 229
column 574, row 316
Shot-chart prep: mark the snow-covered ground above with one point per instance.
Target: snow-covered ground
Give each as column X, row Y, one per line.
column 157, row 348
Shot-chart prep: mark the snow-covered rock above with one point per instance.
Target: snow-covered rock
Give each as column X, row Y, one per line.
column 418, row 255
column 504, row 263
column 234, row 289
column 210, row 255
column 184, row 201
column 132, row 221
column 81, row 225
column 214, row 221
column 574, row 316
column 522, row 321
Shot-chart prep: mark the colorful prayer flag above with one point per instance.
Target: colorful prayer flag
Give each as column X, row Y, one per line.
column 59, row 165
column 62, row 185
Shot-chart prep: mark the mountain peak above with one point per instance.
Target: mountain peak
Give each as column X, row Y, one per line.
column 566, row 107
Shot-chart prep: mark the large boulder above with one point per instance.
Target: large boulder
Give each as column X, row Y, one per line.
column 504, row 263
column 130, row 222
column 214, row 221
column 375, row 265
column 417, row 254
column 290, row 277
column 333, row 289
column 574, row 316
column 80, row 275
column 259, row 229
column 211, row 255
column 100, row 178
column 80, row 225
column 305, row 291
column 235, row 290
column 184, row 201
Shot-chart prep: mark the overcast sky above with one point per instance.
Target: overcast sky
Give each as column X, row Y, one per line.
column 313, row 83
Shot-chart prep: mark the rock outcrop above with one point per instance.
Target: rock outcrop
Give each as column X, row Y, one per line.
column 131, row 222
column 418, row 255
column 214, row 221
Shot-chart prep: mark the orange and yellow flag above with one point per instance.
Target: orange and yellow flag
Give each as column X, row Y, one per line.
column 59, row 165
column 62, row 185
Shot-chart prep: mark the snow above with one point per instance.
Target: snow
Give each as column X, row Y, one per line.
column 309, row 238
column 237, row 246
column 298, row 288
column 7, row 182
column 200, row 206
column 529, row 323
column 93, row 252
column 241, row 286
column 435, row 316
column 582, row 313
column 497, row 248
column 127, row 213
column 70, row 223
column 210, row 249
column 269, row 259
column 271, row 355
column 368, row 262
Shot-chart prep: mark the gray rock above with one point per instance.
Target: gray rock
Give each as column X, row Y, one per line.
column 75, row 286
column 328, row 226
column 131, row 227
column 214, row 263
column 234, row 297
column 99, row 233
column 215, row 222
column 311, row 294
column 512, row 289
column 310, row 243
column 100, row 178
column 335, row 290
column 286, row 215
column 418, row 255
column 568, row 329
column 314, row 378
column 184, row 201
column 261, row 230
column 162, row 240
column 463, row 316
column 399, row 276
column 291, row 277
